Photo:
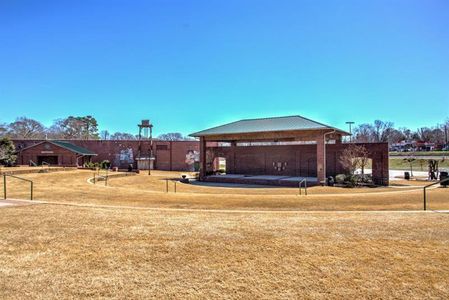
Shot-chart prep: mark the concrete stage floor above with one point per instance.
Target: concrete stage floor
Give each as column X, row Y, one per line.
column 261, row 179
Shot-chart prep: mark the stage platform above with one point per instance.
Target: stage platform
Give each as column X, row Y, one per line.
column 261, row 179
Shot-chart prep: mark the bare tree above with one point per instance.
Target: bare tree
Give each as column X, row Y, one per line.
column 104, row 134
column 406, row 133
column 122, row 136
column 173, row 136
column 353, row 157
column 379, row 131
column 396, row 136
column 363, row 133
column 431, row 134
column 3, row 129
column 26, row 128
column 382, row 130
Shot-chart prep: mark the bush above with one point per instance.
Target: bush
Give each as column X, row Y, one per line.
column 7, row 152
column 105, row 164
column 91, row 165
column 340, row 178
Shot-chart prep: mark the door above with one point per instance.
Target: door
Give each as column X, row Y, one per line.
column 51, row 160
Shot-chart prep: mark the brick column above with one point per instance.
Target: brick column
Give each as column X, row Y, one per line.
column 380, row 166
column 320, row 158
column 232, row 158
column 202, row 158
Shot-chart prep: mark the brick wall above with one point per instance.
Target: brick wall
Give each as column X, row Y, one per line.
column 296, row 160
column 169, row 155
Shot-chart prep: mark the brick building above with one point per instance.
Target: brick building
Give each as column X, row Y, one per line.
column 169, row 155
column 280, row 149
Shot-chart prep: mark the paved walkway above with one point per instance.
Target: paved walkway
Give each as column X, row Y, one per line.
column 15, row 202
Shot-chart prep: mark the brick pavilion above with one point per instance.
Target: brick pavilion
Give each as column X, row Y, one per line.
column 280, row 150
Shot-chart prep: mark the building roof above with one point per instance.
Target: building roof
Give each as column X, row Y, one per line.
column 73, row 147
column 288, row 123
column 66, row 145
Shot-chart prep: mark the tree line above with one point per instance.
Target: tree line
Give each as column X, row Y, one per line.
column 86, row 127
column 381, row 131
column 70, row 128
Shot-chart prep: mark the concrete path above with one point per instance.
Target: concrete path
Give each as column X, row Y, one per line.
column 15, row 202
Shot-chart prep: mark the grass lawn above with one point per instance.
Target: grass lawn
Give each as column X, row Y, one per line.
column 230, row 243
column 149, row 191
column 50, row 251
column 421, row 153
column 418, row 164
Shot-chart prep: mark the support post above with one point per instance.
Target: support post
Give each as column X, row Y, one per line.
column 4, row 186
column 202, row 158
column 321, row 158
column 425, row 199
column 31, row 196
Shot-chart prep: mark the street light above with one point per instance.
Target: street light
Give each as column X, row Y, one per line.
column 350, row 130
column 445, row 136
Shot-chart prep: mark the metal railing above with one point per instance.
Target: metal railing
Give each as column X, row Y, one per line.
column 166, row 184
column 429, row 185
column 20, row 178
column 305, row 186
column 98, row 177
column 43, row 166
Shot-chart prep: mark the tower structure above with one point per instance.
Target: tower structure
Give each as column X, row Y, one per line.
column 145, row 157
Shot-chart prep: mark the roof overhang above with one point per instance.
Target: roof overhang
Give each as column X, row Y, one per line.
column 285, row 135
column 84, row 151
column 287, row 125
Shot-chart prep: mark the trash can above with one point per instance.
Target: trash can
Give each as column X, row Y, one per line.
column 444, row 175
column 330, row 181
column 406, row 175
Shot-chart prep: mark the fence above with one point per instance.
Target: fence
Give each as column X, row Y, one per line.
column 427, row 186
column 16, row 177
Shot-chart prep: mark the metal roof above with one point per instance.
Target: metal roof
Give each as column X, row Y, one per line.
column 287, row 123
column 73, row 148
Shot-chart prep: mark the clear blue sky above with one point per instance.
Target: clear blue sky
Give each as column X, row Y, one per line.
column 188, row 65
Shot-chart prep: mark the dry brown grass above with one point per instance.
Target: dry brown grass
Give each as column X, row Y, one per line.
column 55, row 252
column 148, row 191
column 67, row 252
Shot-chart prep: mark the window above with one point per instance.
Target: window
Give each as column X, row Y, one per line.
column 161, row 147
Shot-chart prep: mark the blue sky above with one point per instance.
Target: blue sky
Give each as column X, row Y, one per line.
column 189, row 65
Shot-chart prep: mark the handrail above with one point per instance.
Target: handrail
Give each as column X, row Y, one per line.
column 20, row 178
column 305, row 186
column 98, row 176
column 429, row 185
column 44, row 163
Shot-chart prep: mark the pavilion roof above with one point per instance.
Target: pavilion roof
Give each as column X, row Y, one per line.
column 288, row 123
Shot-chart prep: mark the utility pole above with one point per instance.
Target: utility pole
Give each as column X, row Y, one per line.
column 445, row 136
column 350, row 130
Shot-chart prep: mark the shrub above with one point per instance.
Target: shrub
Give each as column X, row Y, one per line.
column 91, row 165
column 7, row 152
column 340, row 178
column 105, row 164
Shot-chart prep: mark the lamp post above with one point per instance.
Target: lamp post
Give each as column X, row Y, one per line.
column 350, row 130
column 445, row 136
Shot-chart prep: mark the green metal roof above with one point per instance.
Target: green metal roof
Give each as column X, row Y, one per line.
column 72, row 147
column 266, row 125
